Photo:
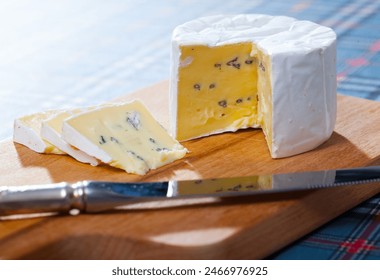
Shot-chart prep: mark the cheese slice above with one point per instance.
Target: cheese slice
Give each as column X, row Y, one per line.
column 51, row 131
column 125, row 136
column 250, row 71
column 27, row 131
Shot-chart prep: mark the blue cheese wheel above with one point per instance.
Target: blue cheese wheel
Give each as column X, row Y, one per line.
column 270, row 72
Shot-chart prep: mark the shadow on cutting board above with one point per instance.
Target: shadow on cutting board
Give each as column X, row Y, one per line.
column 228, row 156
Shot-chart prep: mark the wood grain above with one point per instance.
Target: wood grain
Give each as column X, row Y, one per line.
column 248, row 228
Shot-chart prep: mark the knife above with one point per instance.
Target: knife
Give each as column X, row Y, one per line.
column 99, row 196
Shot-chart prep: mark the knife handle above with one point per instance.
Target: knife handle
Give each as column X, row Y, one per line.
column 103, row 196
column 59, row 197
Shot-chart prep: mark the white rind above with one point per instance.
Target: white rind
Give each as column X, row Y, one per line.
column 27, row 131
column 303, row 77
column 304, row 113
column 53, row 137
column 227, row 29
column 26, row 136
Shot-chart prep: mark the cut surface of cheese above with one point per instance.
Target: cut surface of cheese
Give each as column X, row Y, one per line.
column 125, row 136
column 224, row 95
column 51, row 131
column 27, row 131
column 242, row 71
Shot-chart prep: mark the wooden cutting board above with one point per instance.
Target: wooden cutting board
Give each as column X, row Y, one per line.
column 244, row 228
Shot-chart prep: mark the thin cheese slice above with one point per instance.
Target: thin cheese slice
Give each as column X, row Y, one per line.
column 125, row 136
column 27, row 131
column 51, row 131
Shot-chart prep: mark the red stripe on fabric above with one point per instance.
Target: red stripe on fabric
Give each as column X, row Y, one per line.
column 356, row 246
column 375, row 47
column 360, row 243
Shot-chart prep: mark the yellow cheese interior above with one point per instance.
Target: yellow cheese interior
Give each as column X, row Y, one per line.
column 220, row 89
column 130, row 135
column 264, row 91
column 56, row 121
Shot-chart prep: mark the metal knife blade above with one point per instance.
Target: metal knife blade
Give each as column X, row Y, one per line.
column 98, row 196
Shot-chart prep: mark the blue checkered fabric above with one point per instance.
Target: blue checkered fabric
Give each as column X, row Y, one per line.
column 353, row 236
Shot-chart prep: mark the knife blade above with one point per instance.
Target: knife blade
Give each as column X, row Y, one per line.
column 98, row 196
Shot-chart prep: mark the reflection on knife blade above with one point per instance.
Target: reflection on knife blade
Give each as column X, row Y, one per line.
column 97, row 196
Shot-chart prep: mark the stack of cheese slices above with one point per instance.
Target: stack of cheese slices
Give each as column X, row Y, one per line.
column 227, row 73
column 122, row 135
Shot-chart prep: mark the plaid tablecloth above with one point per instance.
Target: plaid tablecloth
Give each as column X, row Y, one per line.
column 56, row 54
